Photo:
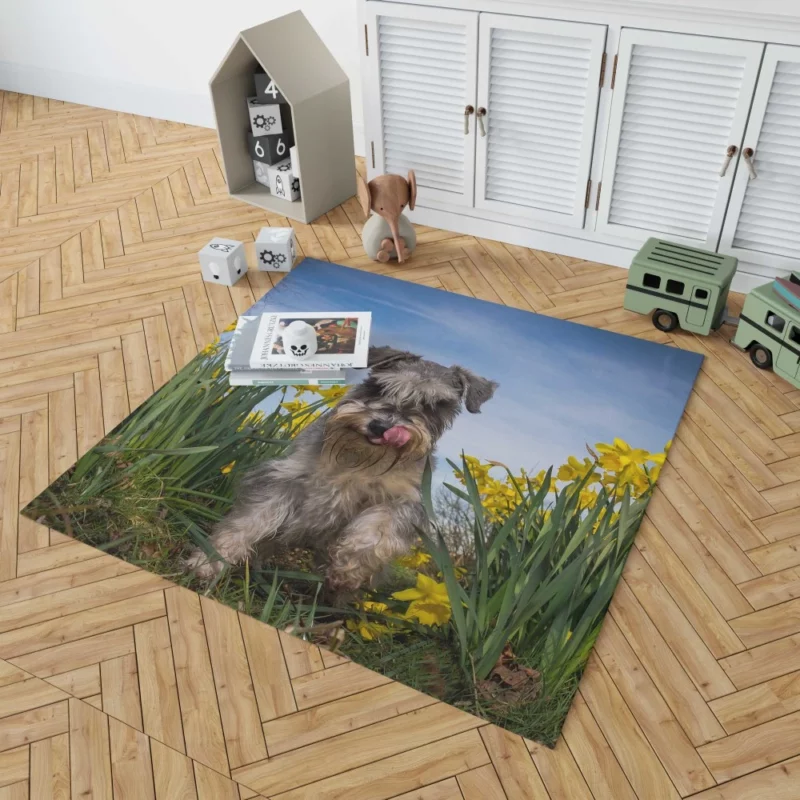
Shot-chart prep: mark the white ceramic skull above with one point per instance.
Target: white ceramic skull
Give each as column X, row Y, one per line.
column 299, row 339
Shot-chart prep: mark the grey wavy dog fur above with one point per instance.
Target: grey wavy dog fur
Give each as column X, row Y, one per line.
column 349, row 486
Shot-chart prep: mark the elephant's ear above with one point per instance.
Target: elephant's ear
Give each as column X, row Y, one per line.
column 412, row 189
column 364, row 197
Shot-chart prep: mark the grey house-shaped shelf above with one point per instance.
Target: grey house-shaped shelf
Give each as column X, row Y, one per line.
column 318, row 91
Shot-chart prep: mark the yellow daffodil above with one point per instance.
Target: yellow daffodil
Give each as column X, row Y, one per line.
column 415, row 559
column 429, row 601
column 575, row 470
column 227, row 468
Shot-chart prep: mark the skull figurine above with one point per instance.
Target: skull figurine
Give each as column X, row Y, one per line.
column 299, row 339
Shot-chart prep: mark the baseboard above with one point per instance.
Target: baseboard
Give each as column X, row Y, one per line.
column 129, row 98
column 617, row 256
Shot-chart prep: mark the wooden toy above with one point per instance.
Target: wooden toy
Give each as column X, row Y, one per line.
column 688, row 287
column 282, row 183
column 295, row 161
column 222, row 261
column 268, row 118
column 680, row 286
column 387, row 233
column 276, row 249
column 769, row 330
column 261, row 173
column 267, row 90
column 272, row 148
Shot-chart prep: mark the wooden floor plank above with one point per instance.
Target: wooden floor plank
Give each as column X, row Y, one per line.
column 90, row 752
column 172, row 772
column 50, row 768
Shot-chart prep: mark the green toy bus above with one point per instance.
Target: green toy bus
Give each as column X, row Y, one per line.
column 687, row 287
column 680, row 286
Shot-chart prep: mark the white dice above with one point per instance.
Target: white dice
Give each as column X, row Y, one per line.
column 295, row 161
column 261, row 172
column 275, row 249
column 222, row 261
column 282, row 183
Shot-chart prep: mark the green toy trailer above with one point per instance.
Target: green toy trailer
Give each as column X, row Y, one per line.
column 769, row 329
column 680, row 286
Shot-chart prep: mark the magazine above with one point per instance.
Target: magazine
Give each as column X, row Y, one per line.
column 237, row 363
column 314, row 340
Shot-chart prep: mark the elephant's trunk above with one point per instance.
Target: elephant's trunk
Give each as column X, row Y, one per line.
column 395, row 229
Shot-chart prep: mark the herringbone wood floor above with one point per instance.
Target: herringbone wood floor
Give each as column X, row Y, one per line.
column 113, row 683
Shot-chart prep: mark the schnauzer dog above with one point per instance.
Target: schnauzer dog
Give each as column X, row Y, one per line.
column 350, row 484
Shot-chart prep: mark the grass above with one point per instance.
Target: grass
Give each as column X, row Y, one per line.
column 528, row 577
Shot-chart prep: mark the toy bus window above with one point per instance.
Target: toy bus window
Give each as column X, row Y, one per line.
column 774, row 321
column 794, row 335
column 651, row 281
column 701, row 294
column 675, row 287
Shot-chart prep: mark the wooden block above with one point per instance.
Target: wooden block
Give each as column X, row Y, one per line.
column 321, row 687
column 26, row 695
column 213, row 786
column 80, row 683
column 120, row 687
column 481, row 784
column 301, row 657
column 14, row 765
column 9, row 504
column 515, row 768
column 31, row 726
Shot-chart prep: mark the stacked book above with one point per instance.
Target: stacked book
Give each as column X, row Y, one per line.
column 296, row 349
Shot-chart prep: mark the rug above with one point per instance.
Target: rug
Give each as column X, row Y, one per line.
column 489, row 567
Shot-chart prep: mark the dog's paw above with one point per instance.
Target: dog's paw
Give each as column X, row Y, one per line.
column 198, row 564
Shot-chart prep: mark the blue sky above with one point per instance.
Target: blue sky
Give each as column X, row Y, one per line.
column 562, row 385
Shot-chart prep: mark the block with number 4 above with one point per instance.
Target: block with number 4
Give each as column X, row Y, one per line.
column 222, row 261
column 268, row 118
column 275, row 249
column 267, row 90
column 282, row 183
column 271, row 148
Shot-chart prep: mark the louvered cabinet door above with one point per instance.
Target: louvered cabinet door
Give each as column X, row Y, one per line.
column 539, row 83
column 679, row 103
column 763, row 220
column 422, row 65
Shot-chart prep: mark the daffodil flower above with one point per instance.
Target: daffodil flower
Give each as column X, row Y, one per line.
column 429, row 601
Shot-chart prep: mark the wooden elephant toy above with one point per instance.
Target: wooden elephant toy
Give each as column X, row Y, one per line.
column 387, row 232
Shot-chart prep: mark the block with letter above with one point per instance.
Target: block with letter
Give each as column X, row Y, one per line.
column 276, row 249
column 267, row 90
column 282, row 183
column 271, row 148
column 268, row 117
column 222, row 261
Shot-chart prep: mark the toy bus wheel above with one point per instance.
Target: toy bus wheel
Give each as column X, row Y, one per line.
column 665, row 320
column 761, row 357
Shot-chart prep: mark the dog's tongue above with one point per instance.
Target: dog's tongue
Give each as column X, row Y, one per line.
column 396, row 436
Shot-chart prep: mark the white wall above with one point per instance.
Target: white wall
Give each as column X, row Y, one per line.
column 150, row 57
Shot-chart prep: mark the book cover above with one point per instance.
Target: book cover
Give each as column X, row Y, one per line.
column 312, row 340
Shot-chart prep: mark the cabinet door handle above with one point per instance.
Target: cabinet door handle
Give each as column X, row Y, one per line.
column 748, row 154
column 480, row 115
column 467, row 111
column 731, row 152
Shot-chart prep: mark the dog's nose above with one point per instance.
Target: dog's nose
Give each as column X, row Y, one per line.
column 376, row 428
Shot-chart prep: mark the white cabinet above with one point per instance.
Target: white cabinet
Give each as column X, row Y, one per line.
column 423, row 78
column 763, row 220
column 538, row 85
column 679, row 103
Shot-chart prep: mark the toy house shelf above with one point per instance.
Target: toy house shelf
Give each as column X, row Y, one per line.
column 318, row 91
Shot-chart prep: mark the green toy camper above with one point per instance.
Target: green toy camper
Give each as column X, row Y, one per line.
column 769, row 329
column 680, row 286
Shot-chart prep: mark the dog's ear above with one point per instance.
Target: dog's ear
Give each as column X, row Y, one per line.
column 475, row 391
column 384, row 357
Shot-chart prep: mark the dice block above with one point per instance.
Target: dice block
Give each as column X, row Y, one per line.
column 261, row 172
column 272, row 148
column 295, row 162
column 223, row 261
column 268, row 117
column 267, row 90
column 276, row 249
column 282, row 183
